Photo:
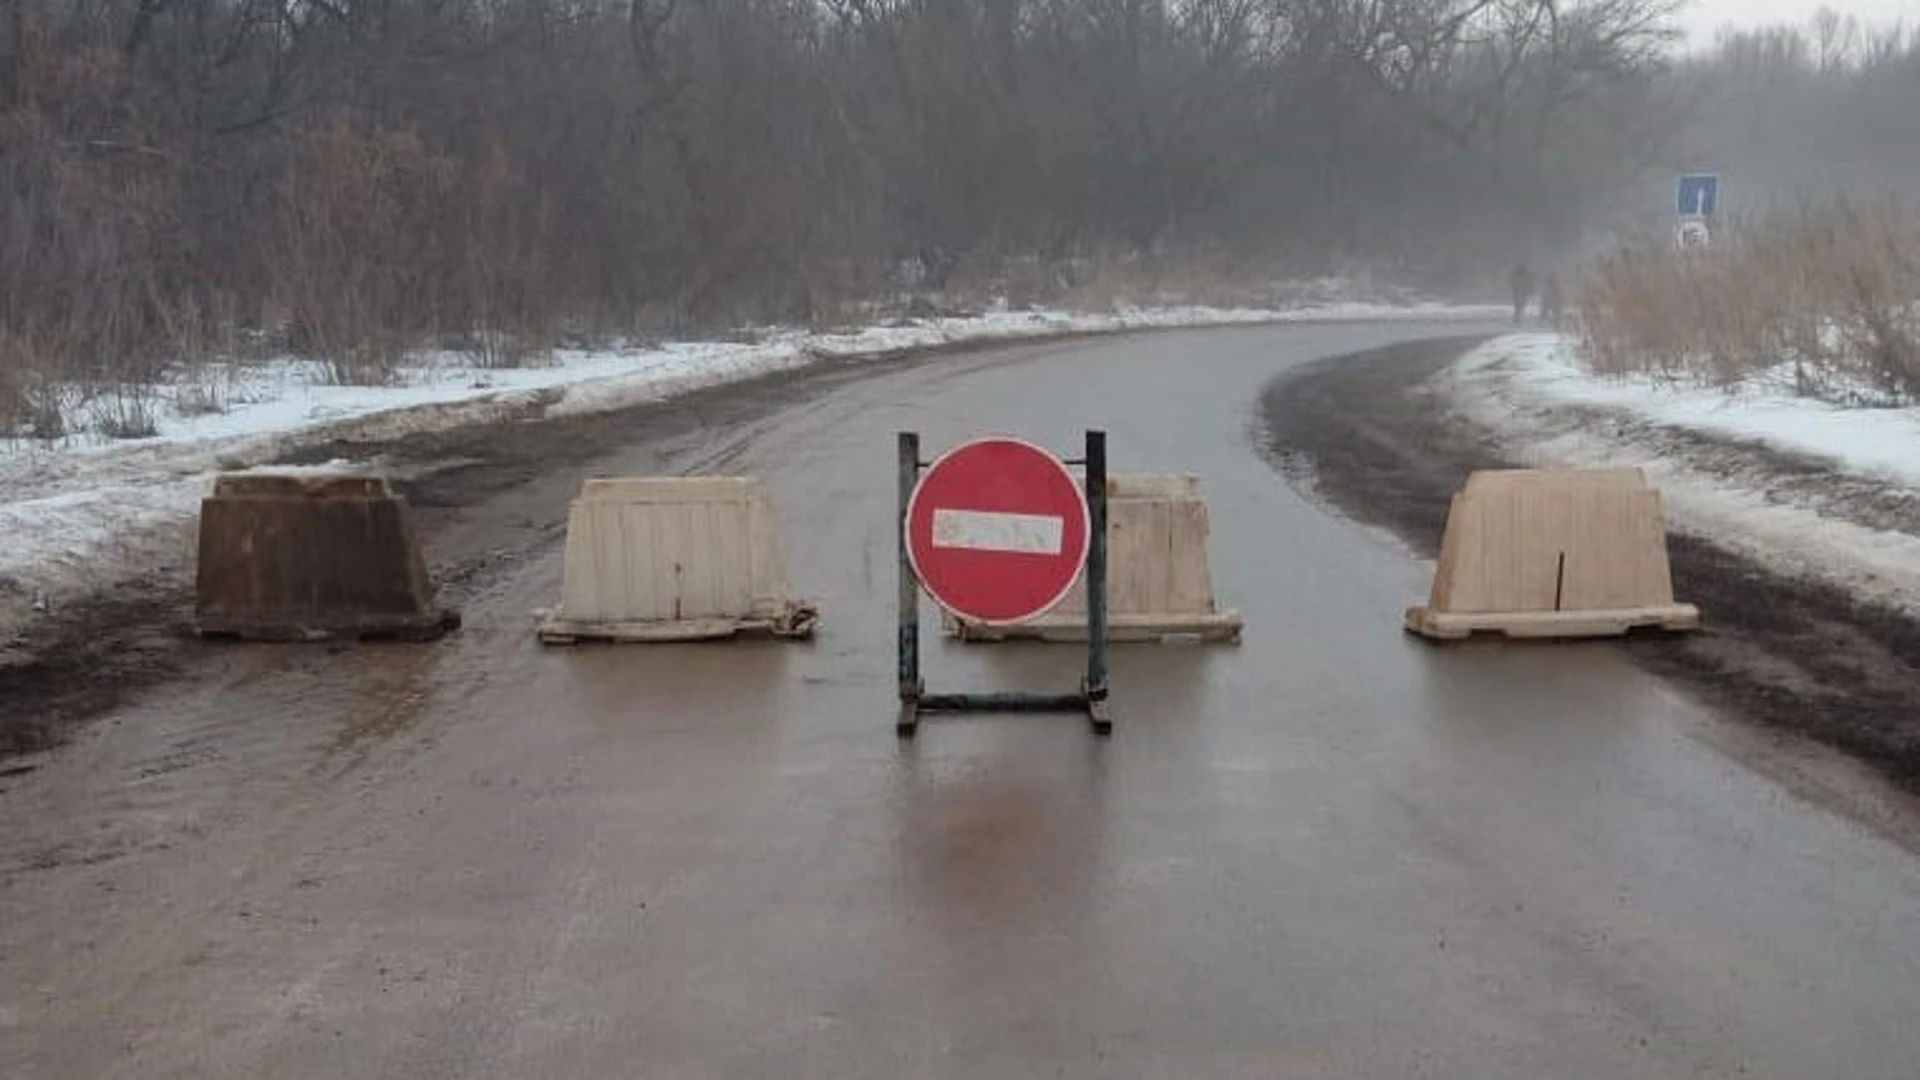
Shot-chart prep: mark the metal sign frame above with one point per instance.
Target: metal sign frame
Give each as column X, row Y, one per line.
column 1092, row 696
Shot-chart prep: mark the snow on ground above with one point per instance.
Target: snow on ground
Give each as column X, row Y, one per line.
column 1521, row 386
column 1548, row 370
column 84, row 513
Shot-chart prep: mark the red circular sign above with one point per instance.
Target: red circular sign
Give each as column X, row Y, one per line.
column 997, row 530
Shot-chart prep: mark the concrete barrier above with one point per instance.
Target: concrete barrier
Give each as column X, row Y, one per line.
column 1159, row 577
column 1551, row 553
column 673, row 559
column 294, row 558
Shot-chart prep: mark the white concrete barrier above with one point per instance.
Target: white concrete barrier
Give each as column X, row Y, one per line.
column 1159, row 577
column 673, row 559
column 1553, row 553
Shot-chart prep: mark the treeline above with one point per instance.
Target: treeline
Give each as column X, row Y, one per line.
column 1795, row 113
column 357, row 177
column 1815, row 269
column 366, row 173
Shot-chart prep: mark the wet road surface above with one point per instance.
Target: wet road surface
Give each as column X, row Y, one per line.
column 1329, row 851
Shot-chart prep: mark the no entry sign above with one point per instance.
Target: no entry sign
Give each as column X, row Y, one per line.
column 997, row 530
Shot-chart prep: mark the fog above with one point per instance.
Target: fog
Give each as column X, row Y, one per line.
column 361, row 176
column 1833, row 106
column 1704, row 20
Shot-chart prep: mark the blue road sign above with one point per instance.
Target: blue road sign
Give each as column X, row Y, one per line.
column 1699, row 195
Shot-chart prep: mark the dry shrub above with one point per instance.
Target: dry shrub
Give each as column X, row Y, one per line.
column 1113, row 278
column 1105, row 279
column 390, row 243
column 30, row 405
column 360, row 212
column 1828, row 291
column 89, row 231
column 205, row 337
column 512, row 309
column 126, row 411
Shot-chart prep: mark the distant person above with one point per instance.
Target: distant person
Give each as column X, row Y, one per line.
column 1522, row 281
column 1552, row 302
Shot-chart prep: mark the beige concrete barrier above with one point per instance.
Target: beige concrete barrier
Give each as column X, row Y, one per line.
column 1159, row 578
column 1553, row 553
column 293, row 558
column 673, row 559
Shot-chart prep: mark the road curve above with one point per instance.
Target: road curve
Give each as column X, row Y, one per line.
column 1331, row 851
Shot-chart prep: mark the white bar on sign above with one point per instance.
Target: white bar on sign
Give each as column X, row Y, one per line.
column 991, row 530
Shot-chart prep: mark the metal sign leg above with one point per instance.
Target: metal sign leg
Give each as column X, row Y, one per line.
column 1096, row 684
column 911, row 686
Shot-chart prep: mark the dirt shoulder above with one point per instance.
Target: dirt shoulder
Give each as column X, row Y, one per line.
column 1375, row 436
column 82, row 660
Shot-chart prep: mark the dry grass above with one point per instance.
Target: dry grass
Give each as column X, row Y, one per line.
column 29, row 401
column 1830, row 292
column 127, row 411
column 57, row 382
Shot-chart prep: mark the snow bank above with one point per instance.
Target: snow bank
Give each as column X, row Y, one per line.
column 1546, row 369
column 85, row 513
column 1521, row 386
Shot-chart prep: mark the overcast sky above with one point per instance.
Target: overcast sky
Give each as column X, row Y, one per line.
column 1701, row 18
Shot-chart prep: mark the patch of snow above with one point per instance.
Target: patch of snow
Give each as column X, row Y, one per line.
column 1546, row 369
column 1513, row 385
column 83, row 513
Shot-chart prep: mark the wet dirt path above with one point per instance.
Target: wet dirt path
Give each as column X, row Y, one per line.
column 1330, row 851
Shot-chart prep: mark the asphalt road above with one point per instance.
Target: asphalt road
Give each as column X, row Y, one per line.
column 1329, row 851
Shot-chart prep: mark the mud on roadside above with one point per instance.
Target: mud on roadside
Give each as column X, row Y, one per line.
column 1372, row 435
column 81, row 660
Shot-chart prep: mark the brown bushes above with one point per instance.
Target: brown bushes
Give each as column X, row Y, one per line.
column 88, row 223
column 358, row 270
column 1829, row 291
column 355, row 181
column 389, row 246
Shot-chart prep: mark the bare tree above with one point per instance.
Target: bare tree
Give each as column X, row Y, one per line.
column 544, row 164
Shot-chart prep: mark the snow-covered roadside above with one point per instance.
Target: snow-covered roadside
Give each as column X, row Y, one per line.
column 80, row 517
column 1545, row 408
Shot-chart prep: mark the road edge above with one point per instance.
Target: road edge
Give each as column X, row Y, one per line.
column 1373, row 437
